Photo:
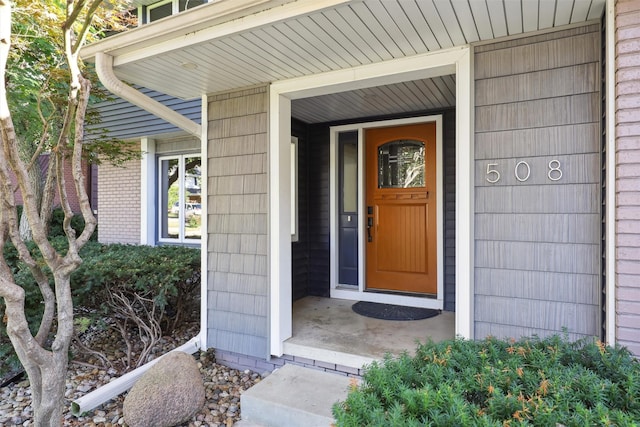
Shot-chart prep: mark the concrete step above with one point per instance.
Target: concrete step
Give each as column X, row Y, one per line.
column 293, row 396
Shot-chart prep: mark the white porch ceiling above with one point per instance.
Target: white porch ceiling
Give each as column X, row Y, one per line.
column 292, row 39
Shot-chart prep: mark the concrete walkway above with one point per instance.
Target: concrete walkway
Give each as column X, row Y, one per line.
column 293, row 396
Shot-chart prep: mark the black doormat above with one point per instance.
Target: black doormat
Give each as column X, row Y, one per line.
column 392, row 312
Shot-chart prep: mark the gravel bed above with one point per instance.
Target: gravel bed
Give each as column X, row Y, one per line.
column 223, row 387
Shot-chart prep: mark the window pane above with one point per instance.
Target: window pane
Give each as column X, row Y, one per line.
column 160, row 12
column 188, row 4
column 350, row 177
column 401, row 164
column 193, row 198
column 169, row 199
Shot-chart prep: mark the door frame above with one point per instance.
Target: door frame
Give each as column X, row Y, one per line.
column 359, row 293
column 456, row 60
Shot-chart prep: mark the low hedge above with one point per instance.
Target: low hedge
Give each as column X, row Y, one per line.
column 169, row 275
column 539, row 382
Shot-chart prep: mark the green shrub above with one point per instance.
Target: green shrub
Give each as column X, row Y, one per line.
column 541, row 382
column 169, row 275
column 77, row 223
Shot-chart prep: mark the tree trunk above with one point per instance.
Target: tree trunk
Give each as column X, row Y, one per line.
column 47, row 394
column 46, row 369
column 35, row 176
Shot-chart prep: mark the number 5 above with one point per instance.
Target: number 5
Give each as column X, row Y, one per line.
column 494, row 172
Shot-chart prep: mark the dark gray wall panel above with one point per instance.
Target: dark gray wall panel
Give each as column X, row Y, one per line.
column 537, row 240
column 319, row 199
column 300, row 249
column 449, row 208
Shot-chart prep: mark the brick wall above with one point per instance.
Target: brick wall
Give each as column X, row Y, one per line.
column 242, row 362
column 119, row 201
column 628, row 174
column 43, row 161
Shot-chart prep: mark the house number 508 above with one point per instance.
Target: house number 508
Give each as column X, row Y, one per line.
column 522, row 171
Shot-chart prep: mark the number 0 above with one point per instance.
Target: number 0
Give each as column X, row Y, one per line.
column 515, row 171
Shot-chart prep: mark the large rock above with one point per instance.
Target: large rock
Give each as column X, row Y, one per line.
column 168, row 394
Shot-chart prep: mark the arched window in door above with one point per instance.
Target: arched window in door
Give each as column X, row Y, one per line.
column 401, row 164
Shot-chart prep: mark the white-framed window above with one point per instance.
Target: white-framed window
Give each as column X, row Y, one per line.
column 180, row 198
column 165, row 8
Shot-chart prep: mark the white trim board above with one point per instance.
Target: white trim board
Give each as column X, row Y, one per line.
column 448, row 61
column 339, row 290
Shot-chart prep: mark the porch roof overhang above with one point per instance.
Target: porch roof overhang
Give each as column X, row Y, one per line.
column 229, row 44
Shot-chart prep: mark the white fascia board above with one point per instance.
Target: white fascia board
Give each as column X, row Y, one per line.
column 422, row 66
column 198, row 25
column 174, row 26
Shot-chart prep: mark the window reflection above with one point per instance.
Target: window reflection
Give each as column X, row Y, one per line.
column 401, row 164
column 180, row 197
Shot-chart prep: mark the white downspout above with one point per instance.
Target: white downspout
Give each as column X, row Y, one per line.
column 121, row 384
column 104, row 68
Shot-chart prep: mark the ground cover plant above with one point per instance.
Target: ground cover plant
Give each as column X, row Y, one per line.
column 539, row 382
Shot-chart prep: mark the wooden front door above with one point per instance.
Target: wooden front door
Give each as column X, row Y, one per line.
column 401, row 208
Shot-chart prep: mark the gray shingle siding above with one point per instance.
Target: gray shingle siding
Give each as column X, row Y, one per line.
column 238, row 285
column 537, row 241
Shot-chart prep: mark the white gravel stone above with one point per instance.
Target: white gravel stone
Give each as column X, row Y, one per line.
column 223, row 387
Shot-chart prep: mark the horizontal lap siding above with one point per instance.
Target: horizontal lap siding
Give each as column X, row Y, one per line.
column 628, row 175
column 237, row 285
column 449, row 208
column 300, row 249
column 319, row 212
column 123, row 120
column 537, row 241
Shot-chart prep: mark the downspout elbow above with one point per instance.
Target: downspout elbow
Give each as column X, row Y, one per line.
column 104, row 68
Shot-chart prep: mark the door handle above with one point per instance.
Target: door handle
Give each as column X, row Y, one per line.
column 369, row 225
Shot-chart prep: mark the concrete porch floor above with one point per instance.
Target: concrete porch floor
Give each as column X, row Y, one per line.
column 328, row 329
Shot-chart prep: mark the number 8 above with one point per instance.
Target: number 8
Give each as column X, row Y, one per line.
column 555, row 168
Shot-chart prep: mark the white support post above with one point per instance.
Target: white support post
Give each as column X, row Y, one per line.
column 279, row 221
column 464, row 196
